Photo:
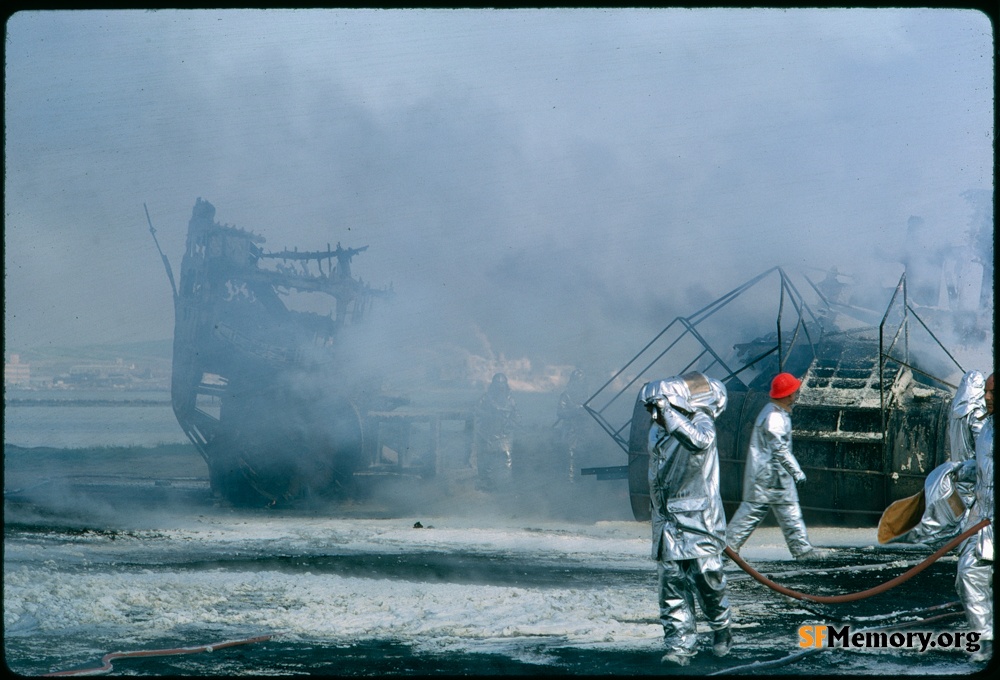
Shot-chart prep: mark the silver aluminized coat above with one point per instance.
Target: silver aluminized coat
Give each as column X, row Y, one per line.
column 771, row 469
column 982, row 508
column 968, row 413
column 942, row 517
column 974, row 579
column 688, row 519
column 496, row 416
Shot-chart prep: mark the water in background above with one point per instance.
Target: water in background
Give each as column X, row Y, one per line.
column 88, row 418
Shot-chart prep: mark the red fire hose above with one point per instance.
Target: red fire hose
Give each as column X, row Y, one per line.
column 851, row 597
column 108, row 658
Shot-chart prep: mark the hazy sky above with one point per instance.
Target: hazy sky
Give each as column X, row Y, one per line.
column 558, row 184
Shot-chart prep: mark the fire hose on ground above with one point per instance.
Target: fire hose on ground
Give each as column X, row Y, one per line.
column 851, row 597
column 108, row 658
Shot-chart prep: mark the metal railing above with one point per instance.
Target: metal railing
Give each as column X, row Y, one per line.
column 899, row 343
column 703, row 357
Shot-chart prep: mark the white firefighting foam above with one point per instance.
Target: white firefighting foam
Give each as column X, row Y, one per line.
column 136, row 585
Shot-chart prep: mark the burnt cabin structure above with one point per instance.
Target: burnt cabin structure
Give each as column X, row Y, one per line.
column 872, row 415
column 266, row 393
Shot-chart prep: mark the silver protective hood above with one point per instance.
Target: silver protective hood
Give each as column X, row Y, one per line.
column 968, row 412
column 970, row 396
column 689, row 392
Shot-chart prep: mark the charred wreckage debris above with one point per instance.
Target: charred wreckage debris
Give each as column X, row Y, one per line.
column 264, row 391
column 280, row 414
column 872, row 416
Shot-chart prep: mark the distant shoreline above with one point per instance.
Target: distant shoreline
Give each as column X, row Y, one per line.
column 86, row 402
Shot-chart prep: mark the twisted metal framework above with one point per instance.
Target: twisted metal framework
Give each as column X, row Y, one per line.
column 807, row 330
column 706, row 359
column 900, row 307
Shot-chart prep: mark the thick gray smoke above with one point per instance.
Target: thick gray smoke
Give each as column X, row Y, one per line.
column 542, row 189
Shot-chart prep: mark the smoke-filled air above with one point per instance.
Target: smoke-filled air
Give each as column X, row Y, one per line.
column 535, row 191
column 324, row 331
column 525, row 192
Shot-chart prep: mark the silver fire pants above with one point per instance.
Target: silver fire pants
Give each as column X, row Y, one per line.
column 681, row 583
column 494, row 464
column 789, row 516
column 974, row 583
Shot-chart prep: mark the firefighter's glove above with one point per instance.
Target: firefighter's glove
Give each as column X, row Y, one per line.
column 965, row 472
column 672, row 419
column 653, row 406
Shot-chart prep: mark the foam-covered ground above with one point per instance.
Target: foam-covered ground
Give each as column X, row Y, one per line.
column 546, row 577
column 456, row 594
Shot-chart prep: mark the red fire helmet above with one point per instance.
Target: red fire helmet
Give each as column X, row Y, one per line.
column 783, row 385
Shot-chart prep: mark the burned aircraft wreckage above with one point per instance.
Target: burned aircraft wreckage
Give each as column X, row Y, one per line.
column 260, row 388
column 280, row 414
column 871, row 419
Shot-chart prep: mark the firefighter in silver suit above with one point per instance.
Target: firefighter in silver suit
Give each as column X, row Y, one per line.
column 772, row 474
column 968, row 413
column 496, row 417
column 572, row 419
column 688, row 519
column 974, row 581
column 965, row 420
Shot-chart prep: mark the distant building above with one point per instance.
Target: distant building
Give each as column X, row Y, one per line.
column 101, row 374
column 16, row 373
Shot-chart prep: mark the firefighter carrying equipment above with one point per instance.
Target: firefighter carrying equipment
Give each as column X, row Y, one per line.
column 688, row 519
column 932, row 516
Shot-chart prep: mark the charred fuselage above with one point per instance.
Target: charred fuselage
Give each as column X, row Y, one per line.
column 258, row 387
column 868, row 427
column 860, row 452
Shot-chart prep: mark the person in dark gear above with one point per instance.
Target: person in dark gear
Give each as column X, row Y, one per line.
column 688, row 519
column 495, row 418
column 974, row 580
column 772, row 474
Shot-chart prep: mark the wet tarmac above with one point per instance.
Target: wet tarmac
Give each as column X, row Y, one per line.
column 113, row 564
